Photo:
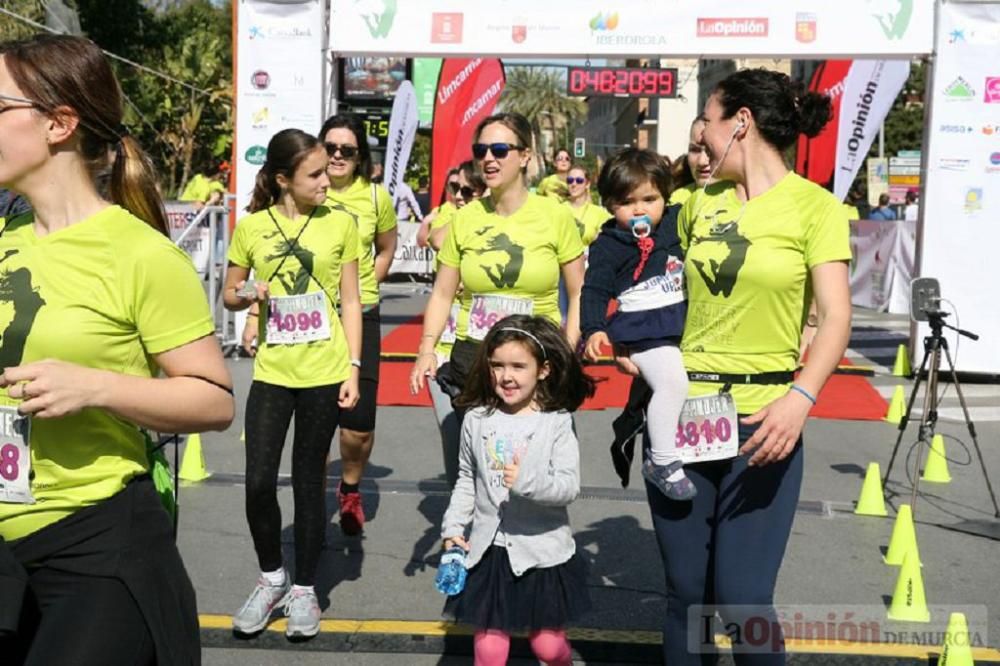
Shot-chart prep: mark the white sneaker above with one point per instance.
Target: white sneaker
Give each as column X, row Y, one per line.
column 256, row 612
column 302, row 609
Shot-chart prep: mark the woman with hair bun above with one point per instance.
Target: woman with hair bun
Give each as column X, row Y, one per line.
column 99, row 304
column 761, row 242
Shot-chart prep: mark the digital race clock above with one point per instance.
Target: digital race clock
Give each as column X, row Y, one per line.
column 621, row 81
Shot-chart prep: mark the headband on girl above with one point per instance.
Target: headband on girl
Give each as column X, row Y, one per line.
column 530, row 335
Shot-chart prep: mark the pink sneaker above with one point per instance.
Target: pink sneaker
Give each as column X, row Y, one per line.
column 352, row 514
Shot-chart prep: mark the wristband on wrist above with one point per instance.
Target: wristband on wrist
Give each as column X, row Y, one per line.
column 807, row 394
column 356, row 362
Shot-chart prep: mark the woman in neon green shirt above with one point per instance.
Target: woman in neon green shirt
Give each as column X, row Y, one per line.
column 352, row 190
column 757, row 249
column 304, row 255
column 692, row 170
column 554, row 185
column 99, row 302
column 507, row 250
column 588, row 215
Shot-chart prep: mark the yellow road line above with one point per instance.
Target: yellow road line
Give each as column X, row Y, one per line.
column 440, row 628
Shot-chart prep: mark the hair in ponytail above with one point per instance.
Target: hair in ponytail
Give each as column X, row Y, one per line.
column 781, row 108
column 285, row 151
column 62, row 71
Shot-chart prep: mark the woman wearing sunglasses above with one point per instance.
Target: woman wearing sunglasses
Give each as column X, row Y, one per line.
column 588, row 215
column 445, row 207
column 508, row 251
column 100, row 302
column 554, row 185
column 351, row 190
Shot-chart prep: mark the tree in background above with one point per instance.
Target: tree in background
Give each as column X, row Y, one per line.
column 539, row 95
column 183, row 130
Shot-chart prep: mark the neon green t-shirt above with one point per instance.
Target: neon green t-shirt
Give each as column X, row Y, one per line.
column 553, row 186
column 200, row 188
column 589, row 218
column 373, row 214
column 108, row 292
column 517, row 256
column 682, row 194
column 747, row 274
column 329, row 241
column 445, row 215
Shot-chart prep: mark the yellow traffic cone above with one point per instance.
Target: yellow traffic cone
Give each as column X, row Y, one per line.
column 956, row 650
column 908, row 602
column 936, row 469
column 897, row 406
column 193, row 462
column 871, row 502
column 904, row 538
column 901, row 368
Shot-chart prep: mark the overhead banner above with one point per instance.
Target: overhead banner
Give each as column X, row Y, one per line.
column 669, row 28
column 279, row 80
column 870, row 89
column 961, row 201
column 815, row 157
column 402, row 131
column 468, row 91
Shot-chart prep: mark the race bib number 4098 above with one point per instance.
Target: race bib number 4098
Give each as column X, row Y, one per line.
column 15, row 457
column 297, row 319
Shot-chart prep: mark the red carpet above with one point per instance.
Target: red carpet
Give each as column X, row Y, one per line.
column 844, row 397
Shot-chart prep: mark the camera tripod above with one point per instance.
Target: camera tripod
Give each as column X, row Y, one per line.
column 934, row 344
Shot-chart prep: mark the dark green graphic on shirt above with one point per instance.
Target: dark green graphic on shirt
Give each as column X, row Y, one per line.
column 500, row 274
column 721, row 276
column 16, row 289
column 295, row 282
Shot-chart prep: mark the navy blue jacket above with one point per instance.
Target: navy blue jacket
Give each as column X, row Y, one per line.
column 614, row 256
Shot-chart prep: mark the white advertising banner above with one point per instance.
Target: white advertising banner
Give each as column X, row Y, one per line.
column 410, row 257
column 882, row 264
column 961, row 203
column 402, row 131
column 198, row 242
column 279, row 80
column 669, row 28
column 870, row 89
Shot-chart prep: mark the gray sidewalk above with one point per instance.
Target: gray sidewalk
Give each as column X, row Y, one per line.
column 833, row 559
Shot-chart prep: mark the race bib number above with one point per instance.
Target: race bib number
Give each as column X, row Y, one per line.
column 708, row 429
column 657, row 292
column 294, row 320
column 15, row 457
column 448, row 335
column 487, row 310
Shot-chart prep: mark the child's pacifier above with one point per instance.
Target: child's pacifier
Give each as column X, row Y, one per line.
column 641, row 226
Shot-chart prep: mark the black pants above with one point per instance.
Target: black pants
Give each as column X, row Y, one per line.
column 724, row 548
column 105, row 587
column 269, row 412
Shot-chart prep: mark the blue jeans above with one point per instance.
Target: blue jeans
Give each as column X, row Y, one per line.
column 725, row 548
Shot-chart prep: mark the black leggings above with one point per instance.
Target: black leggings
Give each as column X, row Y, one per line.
column 269, row 411
column 81, row 620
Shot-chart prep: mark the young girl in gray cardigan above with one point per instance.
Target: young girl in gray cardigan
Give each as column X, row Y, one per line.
column 519, row 468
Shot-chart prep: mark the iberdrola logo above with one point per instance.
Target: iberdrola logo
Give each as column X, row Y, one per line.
column 378, row 15
column 605, row 21
column 893, row 16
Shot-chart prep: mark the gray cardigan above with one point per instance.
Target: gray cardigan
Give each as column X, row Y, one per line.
column 533, row 513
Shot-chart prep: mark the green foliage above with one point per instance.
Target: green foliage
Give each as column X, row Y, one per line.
column 11, row 28
column 539, row 95
column 904, row 125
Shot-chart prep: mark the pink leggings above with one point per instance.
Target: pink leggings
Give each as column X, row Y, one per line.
column 549, row 645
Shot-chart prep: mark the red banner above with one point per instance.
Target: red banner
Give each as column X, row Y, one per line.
column 816, row 157
column 468, row 91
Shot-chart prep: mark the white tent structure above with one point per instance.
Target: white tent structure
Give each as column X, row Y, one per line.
column 284, row 48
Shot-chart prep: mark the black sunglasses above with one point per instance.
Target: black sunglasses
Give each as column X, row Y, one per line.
column 571, row 180
column 347, row 151
column 466, row 191
column 499, row 150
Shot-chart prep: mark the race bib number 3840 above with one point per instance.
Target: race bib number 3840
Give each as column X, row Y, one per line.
column 15, row 457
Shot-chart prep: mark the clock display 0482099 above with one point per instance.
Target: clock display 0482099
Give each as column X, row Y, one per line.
column 621, row 81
